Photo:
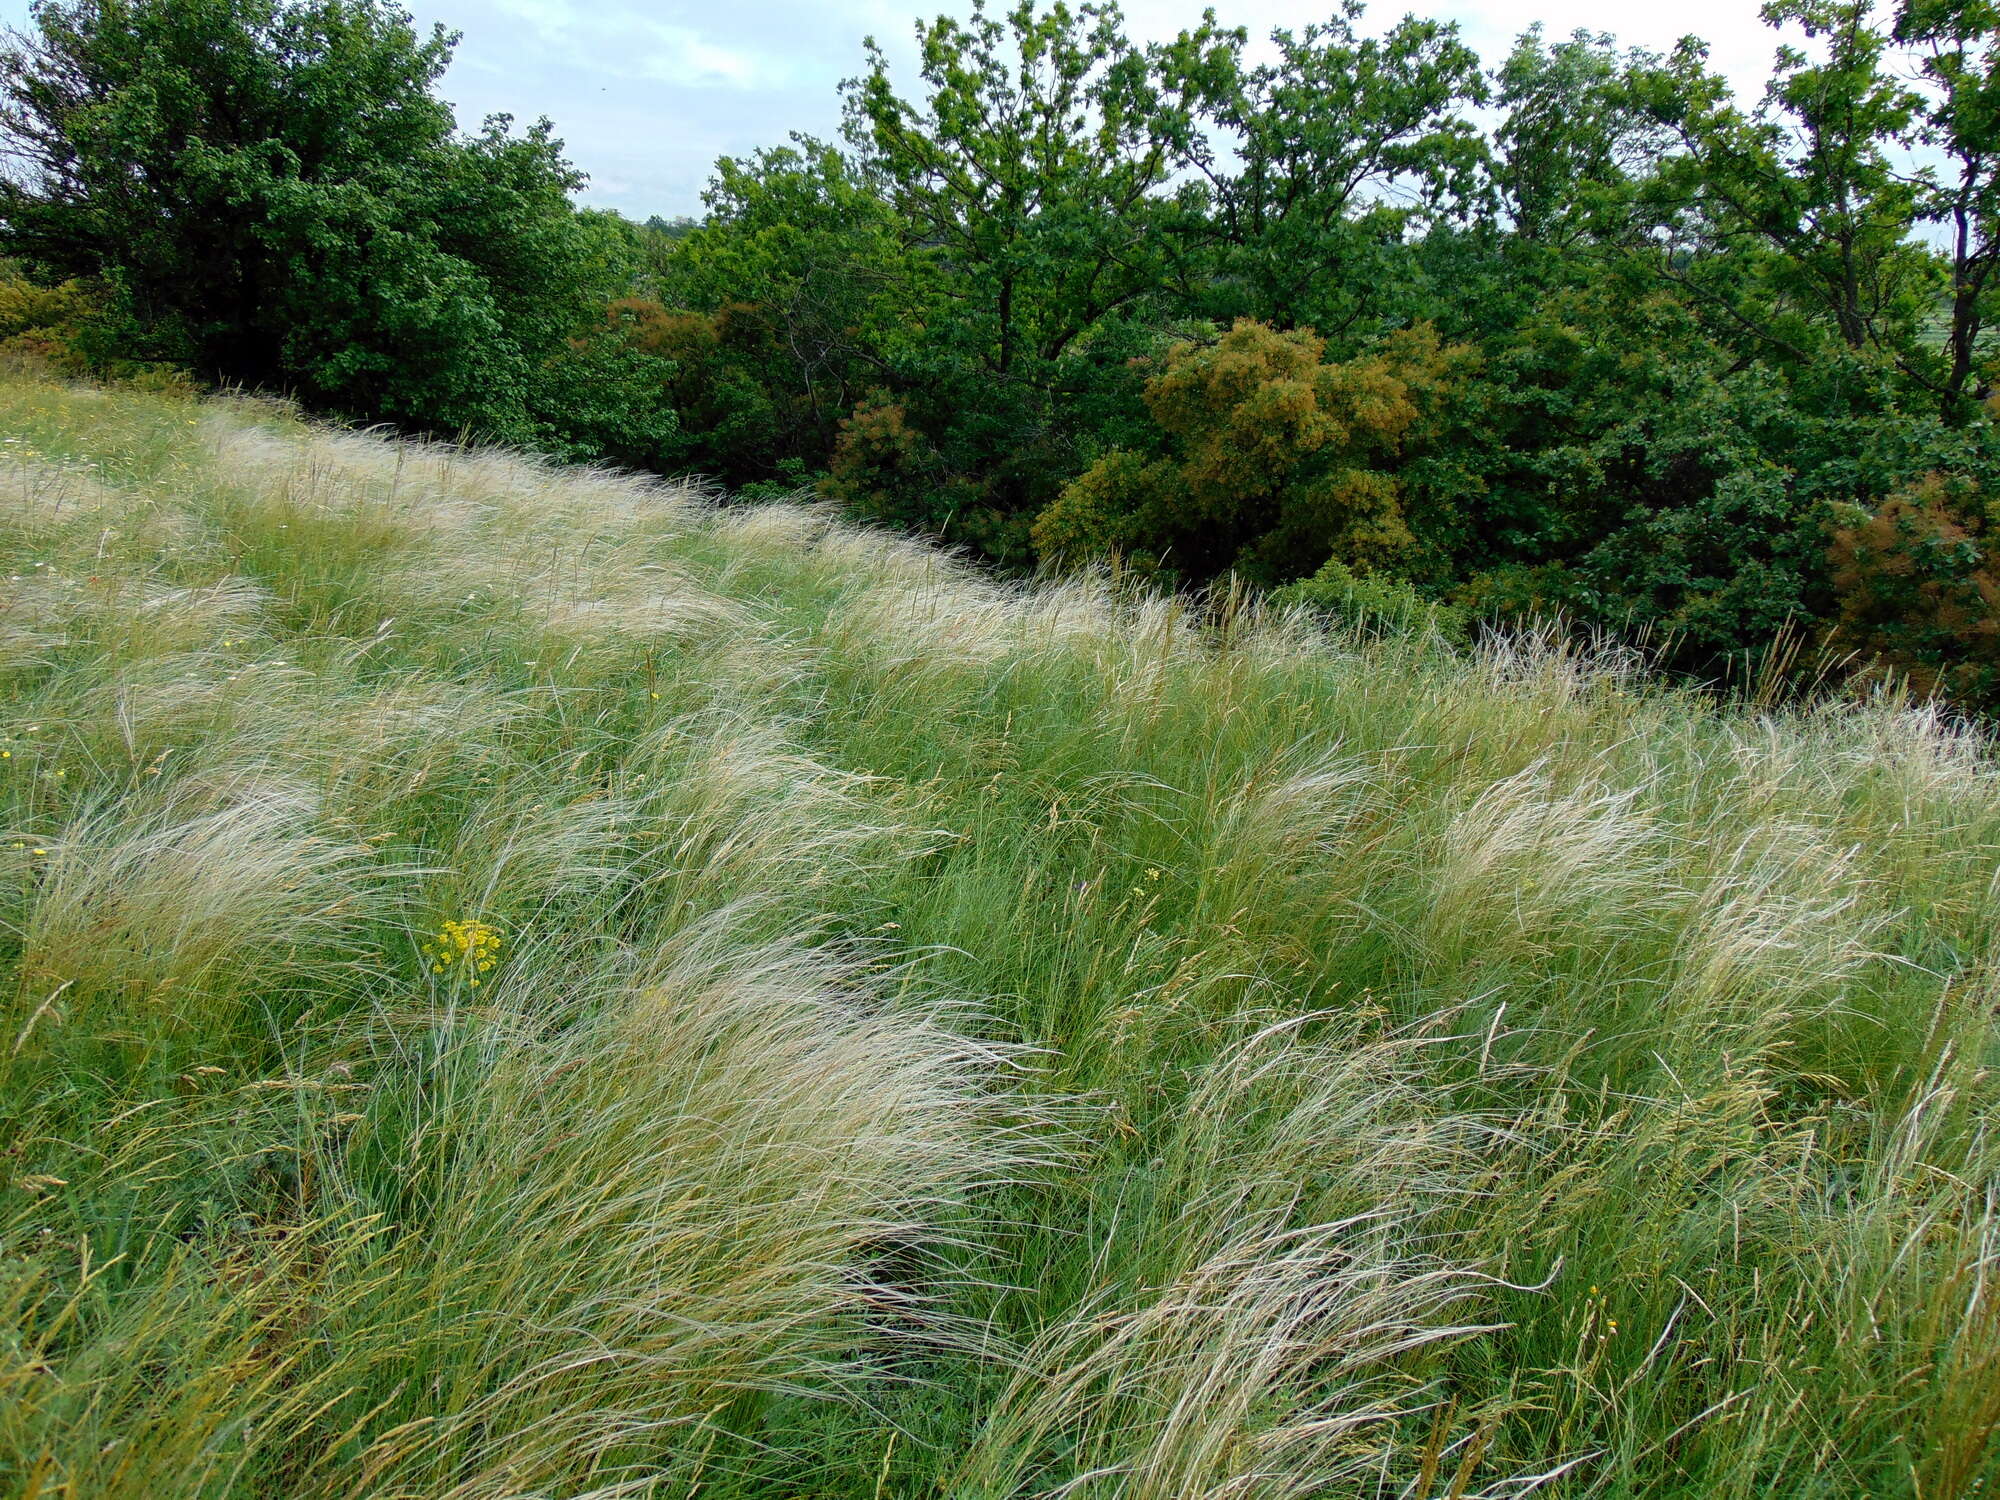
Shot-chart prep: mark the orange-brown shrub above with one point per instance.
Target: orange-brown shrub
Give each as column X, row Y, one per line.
column 1276, row 460
column 1917, row 584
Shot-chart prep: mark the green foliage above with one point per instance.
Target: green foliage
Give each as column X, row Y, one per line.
column 46, row 322
column 275, row 196
column 799, row 273
column 1790, row 225
column 1346, row 144
column 886, row 470
column 1958, row 42
column 1376, row 604
column 1032, row 171
column 1573, row 141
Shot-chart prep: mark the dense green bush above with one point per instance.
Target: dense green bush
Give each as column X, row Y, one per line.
column 1376, row 605
column 273, row 195
column 48, row 323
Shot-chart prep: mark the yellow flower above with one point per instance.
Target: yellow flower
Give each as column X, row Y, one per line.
column 469, row 948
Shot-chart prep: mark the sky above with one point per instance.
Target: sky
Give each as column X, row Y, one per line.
column 648, row 93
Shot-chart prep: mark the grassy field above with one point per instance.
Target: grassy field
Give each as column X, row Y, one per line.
column 523, row 982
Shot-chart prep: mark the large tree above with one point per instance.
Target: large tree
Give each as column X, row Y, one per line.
column 1037, row 162
column 274, row 195
column 1793, row 221
column 1346, row 143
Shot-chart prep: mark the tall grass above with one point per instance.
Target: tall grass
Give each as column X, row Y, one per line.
column 532, row 982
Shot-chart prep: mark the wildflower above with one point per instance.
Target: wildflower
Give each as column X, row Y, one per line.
column 469, row 948
column 1152, row 872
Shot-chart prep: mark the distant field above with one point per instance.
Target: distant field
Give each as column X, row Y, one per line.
column 524, row 982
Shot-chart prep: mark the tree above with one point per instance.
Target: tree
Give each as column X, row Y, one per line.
column 1961, row 123
column 1793, row 220
column 275, row 196
column 1571, row 143
column 1345, row 141
column 802, row 274
column 1035, row 168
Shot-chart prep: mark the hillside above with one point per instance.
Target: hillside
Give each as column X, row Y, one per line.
column 529, row 982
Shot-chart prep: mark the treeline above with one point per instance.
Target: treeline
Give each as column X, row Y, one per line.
column 1576, row 334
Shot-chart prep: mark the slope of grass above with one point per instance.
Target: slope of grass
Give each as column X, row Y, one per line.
column 526, row 983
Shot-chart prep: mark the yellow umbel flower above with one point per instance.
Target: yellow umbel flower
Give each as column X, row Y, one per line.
column 469, row 949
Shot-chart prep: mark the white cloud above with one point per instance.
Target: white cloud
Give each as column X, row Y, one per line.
column 631, row 44
column 1742, row 45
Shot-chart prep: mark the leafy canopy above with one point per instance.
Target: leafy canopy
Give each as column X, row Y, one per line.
column 275, row 195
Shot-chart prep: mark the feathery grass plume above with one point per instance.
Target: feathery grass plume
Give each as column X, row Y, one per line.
column 190, row 901
column 1257, row 1324
column 156, row 619
column 916, row 630
column 659, row 609
column 638, row 1217
column 43, row 496
column 1554, row 665
column 1528, row 867
column 1278, row 830
column 777, row 527
column 891, row 558
column 23, row 648
column 1782, row 931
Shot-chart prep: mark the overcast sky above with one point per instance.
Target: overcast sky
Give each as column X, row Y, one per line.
column 648, row 93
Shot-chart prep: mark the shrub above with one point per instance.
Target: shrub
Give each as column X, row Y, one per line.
column 45, row 322
column 885, row 469
column 1275, row 460
column 1918, row 588
column 1376, row 604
